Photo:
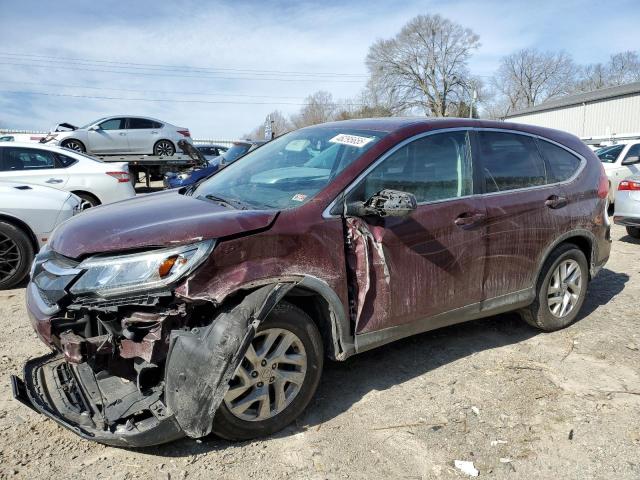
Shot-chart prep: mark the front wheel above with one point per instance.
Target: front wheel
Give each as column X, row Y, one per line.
column 164, row 148
column 561, row 290
column 276, row 379
column 16, row 255
column 633, row 231
column 75, row 145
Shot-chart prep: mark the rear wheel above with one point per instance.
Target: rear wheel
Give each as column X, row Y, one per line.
column 634, row 232
column 561, row 290
column 164, row 148
column 276, row 379
column 76, row 145
column 16, row 255
column 87, row 197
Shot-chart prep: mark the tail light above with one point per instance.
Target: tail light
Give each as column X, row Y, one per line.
column 122, row 177
column 184, row 133
column 628, row 185
column 603, row 184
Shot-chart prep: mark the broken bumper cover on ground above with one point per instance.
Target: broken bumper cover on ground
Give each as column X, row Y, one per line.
column 68, row 401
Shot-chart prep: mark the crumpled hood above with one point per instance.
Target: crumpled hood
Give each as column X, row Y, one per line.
column 162, row 219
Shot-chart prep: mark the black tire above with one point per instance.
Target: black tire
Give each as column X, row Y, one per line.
column 538, row 314
column 16, row 255
column 73, row 144
column 87, row 197
column 164, row 148
column 633, row 232
column 287, row 317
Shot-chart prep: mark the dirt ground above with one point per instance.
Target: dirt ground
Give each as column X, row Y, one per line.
column 516, row 402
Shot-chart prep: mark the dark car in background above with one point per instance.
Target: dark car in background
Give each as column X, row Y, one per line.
column 211, row 150
column 195, row 174
column 213, row 310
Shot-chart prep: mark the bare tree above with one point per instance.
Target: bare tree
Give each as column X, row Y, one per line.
column 318, row 108
column 529, row 77
column 424, row 66
column 623, row 67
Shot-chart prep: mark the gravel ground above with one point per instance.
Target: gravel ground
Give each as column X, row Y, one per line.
column 515, row 402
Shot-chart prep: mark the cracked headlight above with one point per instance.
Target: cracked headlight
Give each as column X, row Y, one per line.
column 134, row 272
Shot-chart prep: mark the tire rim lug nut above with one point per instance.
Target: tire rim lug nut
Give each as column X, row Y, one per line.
column 263, row 363
column 260, row 384
column 274, row 366
column 254, row 374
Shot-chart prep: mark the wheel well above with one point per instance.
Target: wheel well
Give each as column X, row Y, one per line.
column 314, row 305
column 583, row 243
column 69, row 139
column 24, row 227
column 166, row 140
column 88, row 194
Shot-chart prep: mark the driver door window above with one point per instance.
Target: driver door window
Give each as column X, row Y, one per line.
column 436, row 167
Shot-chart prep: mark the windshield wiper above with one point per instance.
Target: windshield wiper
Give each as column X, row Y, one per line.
column 226, row 203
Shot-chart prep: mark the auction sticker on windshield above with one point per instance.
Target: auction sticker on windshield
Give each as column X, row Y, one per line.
column 351, row 140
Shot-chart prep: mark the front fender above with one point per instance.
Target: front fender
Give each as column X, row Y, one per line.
column 201, row 362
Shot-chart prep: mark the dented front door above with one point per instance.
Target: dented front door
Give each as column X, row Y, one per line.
column 408, row 269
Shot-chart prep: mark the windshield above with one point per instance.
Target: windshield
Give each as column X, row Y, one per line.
column 289, row 170
column 609, row 154
column 236, row 151
column 92, row 123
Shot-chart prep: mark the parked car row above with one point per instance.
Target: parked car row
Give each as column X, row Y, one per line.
column 212, row 309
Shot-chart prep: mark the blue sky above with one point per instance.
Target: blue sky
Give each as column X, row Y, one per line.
column 327, row 37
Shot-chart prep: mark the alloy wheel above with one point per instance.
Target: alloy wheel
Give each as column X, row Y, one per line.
column 269, row 377
column 565, row 286
column 73, row 145
column 10, row 257
column 164, row 148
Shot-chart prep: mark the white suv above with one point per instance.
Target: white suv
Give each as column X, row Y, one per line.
column 94, row 181
column 120, row 135
column 620, row 161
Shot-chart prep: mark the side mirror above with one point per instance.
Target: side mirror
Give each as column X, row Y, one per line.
column 631, row 160
column 94, row 127
column 385, row 203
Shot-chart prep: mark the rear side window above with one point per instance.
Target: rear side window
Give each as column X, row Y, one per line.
column 562, row 164
column 64, row 160
column 510, row 161
column 18, row 159
column 140, row 123
column 436, row 167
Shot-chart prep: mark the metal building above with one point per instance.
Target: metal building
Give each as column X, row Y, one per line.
column 608, row 113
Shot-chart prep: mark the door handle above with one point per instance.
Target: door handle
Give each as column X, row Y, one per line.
column 154, row 132
column 554, row 201
column 469, row 218
column 122, row 134
column 54, row 180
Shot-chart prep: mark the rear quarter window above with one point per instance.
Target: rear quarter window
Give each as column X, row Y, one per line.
column 562, row 164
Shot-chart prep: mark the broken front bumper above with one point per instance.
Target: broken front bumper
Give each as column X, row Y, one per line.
column 67, row 394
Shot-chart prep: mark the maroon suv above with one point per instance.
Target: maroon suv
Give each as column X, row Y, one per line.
column 211, row 308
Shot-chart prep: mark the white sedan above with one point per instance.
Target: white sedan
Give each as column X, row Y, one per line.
column 94, row 181
column 28, row 215
column 120, row 135
column 619, row 162
column 627, row 208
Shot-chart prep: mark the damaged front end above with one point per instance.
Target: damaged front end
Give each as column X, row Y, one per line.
column 136, row 367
